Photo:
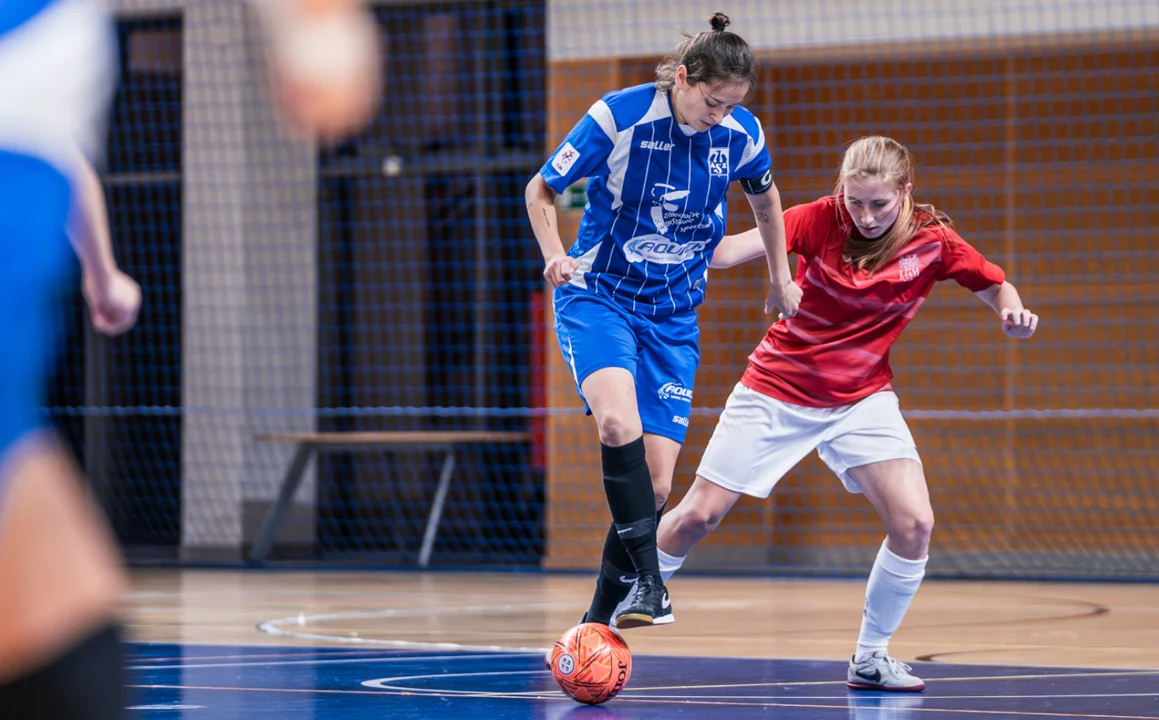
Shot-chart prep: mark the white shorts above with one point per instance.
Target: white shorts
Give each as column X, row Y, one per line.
column 758, row 439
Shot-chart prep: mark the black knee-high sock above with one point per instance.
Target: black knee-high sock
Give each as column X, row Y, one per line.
column 616, row 576
column 85, row 682
column 628, row 485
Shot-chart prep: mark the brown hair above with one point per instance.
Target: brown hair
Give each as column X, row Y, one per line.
column 887, row 160
column 713, row 56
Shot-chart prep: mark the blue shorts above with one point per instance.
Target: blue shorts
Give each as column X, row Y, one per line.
column 35, row 199
column 595, row 333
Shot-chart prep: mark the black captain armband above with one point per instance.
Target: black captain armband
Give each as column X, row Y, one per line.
column 757, row 186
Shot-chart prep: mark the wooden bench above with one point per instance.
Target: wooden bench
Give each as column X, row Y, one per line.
column 309, row 443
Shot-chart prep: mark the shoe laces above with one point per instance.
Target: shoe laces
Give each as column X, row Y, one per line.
column 896, row 666
column 645, row 584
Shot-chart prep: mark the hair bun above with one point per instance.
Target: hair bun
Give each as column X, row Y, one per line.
column 719, row 21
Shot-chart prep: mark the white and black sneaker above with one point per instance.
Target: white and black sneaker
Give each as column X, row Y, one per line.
column 666, row 617
column 647, row 603
column 878, row 671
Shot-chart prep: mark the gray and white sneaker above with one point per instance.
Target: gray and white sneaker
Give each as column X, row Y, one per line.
column 878, row 671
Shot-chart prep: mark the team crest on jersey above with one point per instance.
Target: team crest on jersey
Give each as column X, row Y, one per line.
column 718, row 162
column 909, row 267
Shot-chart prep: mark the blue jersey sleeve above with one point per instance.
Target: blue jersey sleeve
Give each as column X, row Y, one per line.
column 755, row 169
column 584, row 151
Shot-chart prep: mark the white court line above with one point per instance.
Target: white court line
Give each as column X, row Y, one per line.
column 274, row 627
column 938, row 663
column 340, row 661
column 382, row 684
column 388, row 683
column 146, row 595
column 867, row 700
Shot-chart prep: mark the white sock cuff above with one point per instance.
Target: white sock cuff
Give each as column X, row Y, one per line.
column 863, row 650
column 668, row 564
column 894, row 564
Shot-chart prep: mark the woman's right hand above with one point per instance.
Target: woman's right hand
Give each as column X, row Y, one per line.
column 784, row 296
column 113, row 303
column 559, row 269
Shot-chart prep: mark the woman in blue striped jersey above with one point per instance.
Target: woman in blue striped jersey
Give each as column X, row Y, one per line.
column 660, row 158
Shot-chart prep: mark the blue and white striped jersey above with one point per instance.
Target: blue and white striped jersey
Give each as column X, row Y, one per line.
column 656, row 196
column 57, row 62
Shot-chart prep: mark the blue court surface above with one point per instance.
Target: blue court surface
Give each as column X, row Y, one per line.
column 243, row 683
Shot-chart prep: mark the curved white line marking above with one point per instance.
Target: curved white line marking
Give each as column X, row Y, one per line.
column 390, row 683
column 275, row 627
column 384, row 684
column 338, row 661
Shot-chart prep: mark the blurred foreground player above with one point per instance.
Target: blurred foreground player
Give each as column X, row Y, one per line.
column 60, row 575
column 60, row 579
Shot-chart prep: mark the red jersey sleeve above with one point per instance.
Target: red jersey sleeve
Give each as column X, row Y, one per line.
column 806, row 225
column 968, row 267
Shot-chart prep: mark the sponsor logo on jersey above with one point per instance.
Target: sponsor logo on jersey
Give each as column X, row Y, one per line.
column 668, row 217
column 680, row 420
column 674, row 390
column 655, row 145
column 659, row 249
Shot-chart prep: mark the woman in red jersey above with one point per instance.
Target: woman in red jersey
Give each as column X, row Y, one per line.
column 869, row 255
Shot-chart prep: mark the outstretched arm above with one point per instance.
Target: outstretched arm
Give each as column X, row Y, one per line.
column 1017, row 321
column 738, row 249
column 784, row 294
column 112, row 296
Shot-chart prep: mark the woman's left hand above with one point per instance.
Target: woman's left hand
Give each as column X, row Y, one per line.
column 1018, row 323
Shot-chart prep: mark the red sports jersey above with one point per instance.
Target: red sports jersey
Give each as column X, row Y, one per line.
column 836, row 350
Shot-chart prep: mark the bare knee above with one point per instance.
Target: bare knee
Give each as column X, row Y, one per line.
column 909, row 534
column 661, row 497
column 662, row 455
column 691, row 524
column 661, row 487
column 619, row 428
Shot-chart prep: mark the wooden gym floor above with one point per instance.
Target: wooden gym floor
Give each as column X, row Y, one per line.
column 250, row 644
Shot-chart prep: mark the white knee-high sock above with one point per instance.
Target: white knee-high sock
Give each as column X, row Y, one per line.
column 669, row 564
column 893, row 582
